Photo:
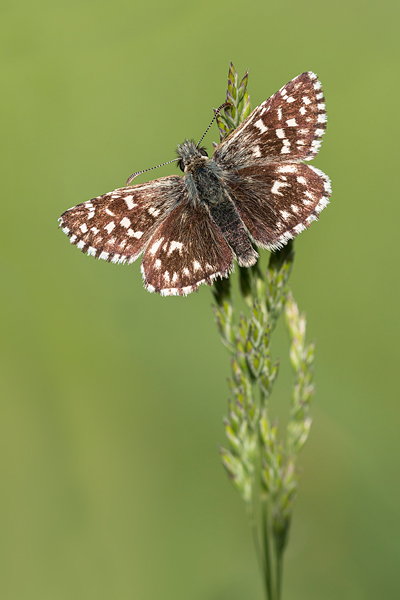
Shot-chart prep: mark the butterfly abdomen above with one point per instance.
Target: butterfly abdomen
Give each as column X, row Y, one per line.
column 212, row 193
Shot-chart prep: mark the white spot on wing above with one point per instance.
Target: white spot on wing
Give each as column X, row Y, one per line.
column 135, row 234
column 285, row 214
column 276, row 186
column 110, row 227
column 286, row 147
column 125, row 222
column 260, row 125
column 280, row 133
column 315, row 145
column 154, row 211
column 287, row 169
column 156, row 246
column 129, row 202
column 175, row 246
column 104, row 255
column 291, row 123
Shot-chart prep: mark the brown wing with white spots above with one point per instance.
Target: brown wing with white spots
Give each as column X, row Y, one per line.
column 278, row 201
column 117, row 226
column 286, row 127
column 185, row 251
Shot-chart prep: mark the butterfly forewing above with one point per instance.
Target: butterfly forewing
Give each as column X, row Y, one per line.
column 186, row 250
column 286, row 127
column 117, row 226
column 278, row 201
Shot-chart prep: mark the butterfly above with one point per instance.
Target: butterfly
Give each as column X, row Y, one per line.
column 255, row 190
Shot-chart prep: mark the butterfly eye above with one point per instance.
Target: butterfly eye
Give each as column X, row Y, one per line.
column 180, row 165
column 203, row 151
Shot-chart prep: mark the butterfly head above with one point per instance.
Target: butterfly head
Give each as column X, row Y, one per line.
column 190, row 156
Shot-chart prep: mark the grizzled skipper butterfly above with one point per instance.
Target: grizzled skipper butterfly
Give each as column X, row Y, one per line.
column 255, row 190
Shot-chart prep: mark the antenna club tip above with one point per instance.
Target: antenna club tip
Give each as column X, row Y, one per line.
column 131, row 178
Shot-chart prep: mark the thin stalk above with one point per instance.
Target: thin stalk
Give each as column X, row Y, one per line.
column 256, row 541
column 267, row 552
column 279, row 572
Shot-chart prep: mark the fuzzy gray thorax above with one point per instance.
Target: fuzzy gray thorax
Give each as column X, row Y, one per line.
column 198, row 172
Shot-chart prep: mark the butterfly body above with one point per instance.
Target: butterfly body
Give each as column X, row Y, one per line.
column 207, row 185
column 254, row 190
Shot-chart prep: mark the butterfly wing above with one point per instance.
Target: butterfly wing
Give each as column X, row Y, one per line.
column 186, row 250
column 286, row 127
column 118, row 226
column 278, row 201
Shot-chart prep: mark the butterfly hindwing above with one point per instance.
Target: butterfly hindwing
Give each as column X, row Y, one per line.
column 278, row 201
column 286, row 127
column 186, row 250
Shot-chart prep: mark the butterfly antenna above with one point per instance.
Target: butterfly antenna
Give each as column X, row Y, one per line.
column 224, row 105
column 151, row 168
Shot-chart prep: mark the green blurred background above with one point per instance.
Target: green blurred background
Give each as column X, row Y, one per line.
column 112, row 398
